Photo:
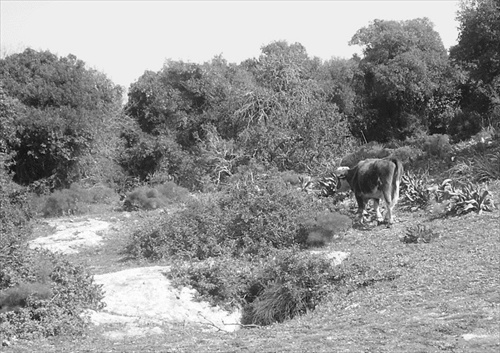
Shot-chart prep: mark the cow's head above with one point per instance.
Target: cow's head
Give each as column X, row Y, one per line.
column 342, row 184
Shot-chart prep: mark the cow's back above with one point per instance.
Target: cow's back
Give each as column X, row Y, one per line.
column 372, row 175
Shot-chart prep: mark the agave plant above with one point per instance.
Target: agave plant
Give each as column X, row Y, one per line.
column 418, row 234
column 325, row 186
column 415, row 190
column 463, row 198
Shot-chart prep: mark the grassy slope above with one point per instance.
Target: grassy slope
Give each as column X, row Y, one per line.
column 428, row 296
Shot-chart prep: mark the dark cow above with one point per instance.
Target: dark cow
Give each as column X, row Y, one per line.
column 373, row 179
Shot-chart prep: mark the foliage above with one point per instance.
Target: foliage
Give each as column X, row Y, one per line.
column 459, row 199
column 478, row 165
column 199, row 123
column 336, row 77
column 290, row 120
column 324, row 227
column 222, row 281
column 415, row 191
column 406, row 84
column 487, row 166
column 477, row 54
column 194, row 232
column 249, row 217
column 76, row 200
column 67, row 121
column 407, row 154
column 437, row 145
column 369, row 150
column 44, row 295
column 150, row 198
column 289, row 284
column 15, row 215
column 419, row 233
column 272, row 289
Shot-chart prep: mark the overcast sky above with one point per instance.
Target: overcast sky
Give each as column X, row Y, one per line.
column 125, row 38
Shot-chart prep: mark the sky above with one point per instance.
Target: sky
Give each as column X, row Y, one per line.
column 125, row 38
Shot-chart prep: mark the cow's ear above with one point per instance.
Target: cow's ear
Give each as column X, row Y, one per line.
column 341, row 172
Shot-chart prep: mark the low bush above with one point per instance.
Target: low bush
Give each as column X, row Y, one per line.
column 407, row 154
column 272, row 289
column 194, row 232
column 288, row 284
column 369, row 150
column 150, row 198
column 75, row 200
column 415, row 193
column 15, row 216
column 247, row 218
column 324, row 227
column 222, row 281
column 437, row 145
column 43, row 295
column 455, row 199
column 419, row 233
column 486, row 166
column 63, row 202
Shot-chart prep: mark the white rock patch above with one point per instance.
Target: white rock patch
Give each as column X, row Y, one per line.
column 70, row 236
column 337, row 257
column 144, row 296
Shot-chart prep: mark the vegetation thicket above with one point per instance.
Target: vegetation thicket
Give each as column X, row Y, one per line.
column 229, row 145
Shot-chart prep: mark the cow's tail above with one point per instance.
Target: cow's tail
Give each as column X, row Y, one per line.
column 396, row 179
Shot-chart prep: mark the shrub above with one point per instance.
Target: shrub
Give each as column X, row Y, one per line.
column 75, row 200
column 369, row 150
column 247, row 218
column 418, row 234
column 486, row 166
column 150, row 198
column 194, row 232
column 415, row 191
column 266, row 214
column 63, row 202
column 437, row 145
column 407, row 154
column 289, row 284
column 459, row 199
column 101, row 194
column 322, row 228
column 44, row 295
column 272, row 289
column 221, row 281
column 15, row 216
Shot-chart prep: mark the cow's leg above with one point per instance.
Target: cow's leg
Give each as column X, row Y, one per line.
column 361, row 207
column 389, row 205
column 376, row 204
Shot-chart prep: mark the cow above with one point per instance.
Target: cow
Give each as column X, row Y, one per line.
column 373, row 179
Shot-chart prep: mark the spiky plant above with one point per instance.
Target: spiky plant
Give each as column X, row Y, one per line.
column 418, row 234
column 415, row 190
column 463, row 198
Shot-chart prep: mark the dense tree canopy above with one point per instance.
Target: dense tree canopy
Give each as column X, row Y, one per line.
column 270, row 109
column 478, row 53
column 405, row 70
column 200, row 124
column 64, row 117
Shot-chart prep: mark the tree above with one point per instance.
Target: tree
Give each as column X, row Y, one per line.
column 404, row 67
column 177, row 110
column 337, row 78
column 290, row 121
column 478, row 54
column 66, row 129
